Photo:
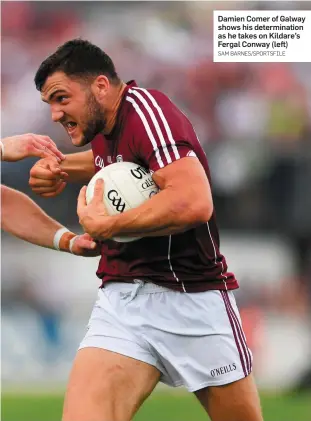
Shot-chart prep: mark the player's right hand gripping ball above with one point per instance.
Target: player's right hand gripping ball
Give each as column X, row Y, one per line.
column 127, row 185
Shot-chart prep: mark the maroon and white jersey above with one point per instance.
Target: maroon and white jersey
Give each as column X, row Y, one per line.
column 152, row 132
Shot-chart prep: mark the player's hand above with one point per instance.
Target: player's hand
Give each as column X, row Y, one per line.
column 25, row 145
column 94, row 217
column 84, row 245
column 47, row 178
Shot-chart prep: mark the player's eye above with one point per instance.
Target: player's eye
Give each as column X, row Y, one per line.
column 61, row 98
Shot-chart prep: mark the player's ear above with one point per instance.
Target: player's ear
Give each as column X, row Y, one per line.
column 100, row 87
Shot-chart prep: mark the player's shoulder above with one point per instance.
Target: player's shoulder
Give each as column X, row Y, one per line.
column 152, row 104
column 148, row 97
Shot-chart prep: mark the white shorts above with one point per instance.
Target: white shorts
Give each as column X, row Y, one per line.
column 194, row 339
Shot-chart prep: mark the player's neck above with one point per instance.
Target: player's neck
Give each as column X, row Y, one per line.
column 115, row 104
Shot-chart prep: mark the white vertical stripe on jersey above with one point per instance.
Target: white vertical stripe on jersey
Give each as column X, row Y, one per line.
column 166, row 125
column 222, row 266
column 155, row 122
column 148, row 130
column 170, row 263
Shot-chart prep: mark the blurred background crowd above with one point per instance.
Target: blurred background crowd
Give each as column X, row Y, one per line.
column 253, row 120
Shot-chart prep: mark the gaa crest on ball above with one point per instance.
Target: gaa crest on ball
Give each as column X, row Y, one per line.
column 126, row 186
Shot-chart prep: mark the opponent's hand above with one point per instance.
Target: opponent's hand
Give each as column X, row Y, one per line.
column 25, row 145
column 94, row 217
column 47, row 178
column 84, row 245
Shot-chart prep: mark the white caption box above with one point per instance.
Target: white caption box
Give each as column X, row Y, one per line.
column 262, row 36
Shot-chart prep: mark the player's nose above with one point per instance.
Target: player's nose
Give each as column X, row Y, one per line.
column 57, row 115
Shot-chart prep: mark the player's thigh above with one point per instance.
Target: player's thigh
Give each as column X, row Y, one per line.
column 237, row 401
column 107, row 386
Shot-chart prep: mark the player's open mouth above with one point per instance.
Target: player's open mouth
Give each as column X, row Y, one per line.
column 71, row 127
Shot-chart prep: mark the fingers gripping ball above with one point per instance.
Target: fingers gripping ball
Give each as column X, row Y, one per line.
column 127, row 185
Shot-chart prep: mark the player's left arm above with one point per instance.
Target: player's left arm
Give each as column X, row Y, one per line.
column 24, row 219
column 184, row 202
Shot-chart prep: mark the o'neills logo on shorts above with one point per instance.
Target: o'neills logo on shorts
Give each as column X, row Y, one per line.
column 223, row 370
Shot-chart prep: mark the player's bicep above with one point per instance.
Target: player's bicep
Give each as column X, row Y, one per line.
column 187, row 179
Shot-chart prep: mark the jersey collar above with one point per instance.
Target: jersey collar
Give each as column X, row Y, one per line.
column 129, row 85
column 123, row 108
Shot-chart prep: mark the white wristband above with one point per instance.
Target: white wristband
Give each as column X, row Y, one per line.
column 2, row 150
column 58, row 236
column 71, row 243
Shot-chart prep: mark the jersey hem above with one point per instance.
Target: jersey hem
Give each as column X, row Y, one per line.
column 183, row 286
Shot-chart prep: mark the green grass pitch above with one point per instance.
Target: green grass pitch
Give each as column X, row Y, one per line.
column 169, row 406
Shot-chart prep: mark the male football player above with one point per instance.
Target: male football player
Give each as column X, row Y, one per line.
column 166, row 310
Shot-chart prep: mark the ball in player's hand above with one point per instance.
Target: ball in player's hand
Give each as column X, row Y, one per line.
column 127, row 185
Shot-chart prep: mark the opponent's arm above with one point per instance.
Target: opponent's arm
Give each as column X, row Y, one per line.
column 185, row 201
column 15, row 148
column 24, row 219
column 48, row 177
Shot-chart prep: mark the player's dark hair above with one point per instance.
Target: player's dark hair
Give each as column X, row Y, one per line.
column 77, row 58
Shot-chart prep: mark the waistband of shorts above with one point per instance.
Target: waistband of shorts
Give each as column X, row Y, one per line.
column 141, row 287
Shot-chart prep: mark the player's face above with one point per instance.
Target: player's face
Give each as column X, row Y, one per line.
column 74, row 106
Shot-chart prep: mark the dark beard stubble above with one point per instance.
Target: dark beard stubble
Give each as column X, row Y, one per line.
column 95, row 120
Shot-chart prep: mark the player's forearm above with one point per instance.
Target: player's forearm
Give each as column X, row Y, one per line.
column 24, row 219
column 164, row 214
column 79, row 166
